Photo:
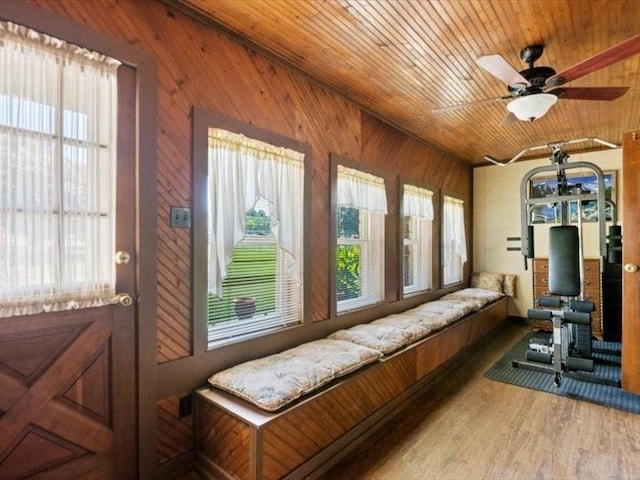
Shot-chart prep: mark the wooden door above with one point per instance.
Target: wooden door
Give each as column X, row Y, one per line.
column 631, row 257
column 67, row 380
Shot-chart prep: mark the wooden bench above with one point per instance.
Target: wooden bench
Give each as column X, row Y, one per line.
column 237, row 440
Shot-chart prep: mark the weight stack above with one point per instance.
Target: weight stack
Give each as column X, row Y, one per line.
column 614, row 244
column 582, row 340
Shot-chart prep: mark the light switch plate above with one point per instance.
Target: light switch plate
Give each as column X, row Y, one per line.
column 180, row 217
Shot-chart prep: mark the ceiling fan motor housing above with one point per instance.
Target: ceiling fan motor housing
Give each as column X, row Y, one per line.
column 537, row 76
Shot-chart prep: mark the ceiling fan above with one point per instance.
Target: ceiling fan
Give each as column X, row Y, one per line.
column 534, row 90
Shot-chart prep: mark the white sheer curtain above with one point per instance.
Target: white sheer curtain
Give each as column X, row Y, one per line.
column 242, row 170
column 417, row 202
column 58, row 105
column 454, row 240
column 361, row 190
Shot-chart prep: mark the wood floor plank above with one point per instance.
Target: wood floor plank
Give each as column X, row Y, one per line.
column 469, row 427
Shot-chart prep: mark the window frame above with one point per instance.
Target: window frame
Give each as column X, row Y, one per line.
column 202, row 121
column 354, row 305
column 433, row 240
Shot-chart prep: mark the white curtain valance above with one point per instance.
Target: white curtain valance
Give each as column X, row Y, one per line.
column 453, row 200
column 417, row 202
column 256, row 148
column 361, row 190
column 241, row 171
column 52, row 45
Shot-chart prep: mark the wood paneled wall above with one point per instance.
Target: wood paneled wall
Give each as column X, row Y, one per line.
column 175, row 435
column 199, row 66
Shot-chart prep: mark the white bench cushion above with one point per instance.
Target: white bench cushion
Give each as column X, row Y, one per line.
column 383, row 338
column 446, row 306
column 478, row 296
column 272, row 382
column 411, row 324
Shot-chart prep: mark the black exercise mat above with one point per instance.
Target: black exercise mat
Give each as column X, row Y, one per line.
column 607, row 357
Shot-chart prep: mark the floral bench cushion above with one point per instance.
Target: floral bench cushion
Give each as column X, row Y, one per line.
column 437, row 320
column 478, row 296
column 381, row 337
column 460, row 307
column 272, row 382
column 410, row 323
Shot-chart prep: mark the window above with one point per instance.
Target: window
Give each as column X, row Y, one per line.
column 454, row 245
column 58, row 106
column 417, row 220
column 255, row 247
column 360, row 216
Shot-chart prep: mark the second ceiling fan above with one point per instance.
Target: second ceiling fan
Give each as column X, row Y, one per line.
column 534, row 90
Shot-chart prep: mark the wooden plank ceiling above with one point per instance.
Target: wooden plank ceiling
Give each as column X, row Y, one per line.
column 400, row 59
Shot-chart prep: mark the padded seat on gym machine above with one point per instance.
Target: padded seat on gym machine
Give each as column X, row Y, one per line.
column 564, row 261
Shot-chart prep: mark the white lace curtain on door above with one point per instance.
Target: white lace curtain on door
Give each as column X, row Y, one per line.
column 58, row 113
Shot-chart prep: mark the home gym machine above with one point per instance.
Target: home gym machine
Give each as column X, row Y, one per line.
column 568, row 352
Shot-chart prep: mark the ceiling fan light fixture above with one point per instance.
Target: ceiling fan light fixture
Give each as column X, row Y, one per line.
column 531, row 107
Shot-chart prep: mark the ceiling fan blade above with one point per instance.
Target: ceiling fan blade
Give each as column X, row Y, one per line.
column 626, row 49
column 509, row 119
column 468, row 104
column 497, row 66
column 589, row 93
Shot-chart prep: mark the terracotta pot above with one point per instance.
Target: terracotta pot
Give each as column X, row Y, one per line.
column 245, row 307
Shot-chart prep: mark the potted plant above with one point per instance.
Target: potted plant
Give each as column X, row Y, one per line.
column 245, row 307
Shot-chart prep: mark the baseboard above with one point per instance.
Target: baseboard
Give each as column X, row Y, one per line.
column 177, row 467
column 516, row 319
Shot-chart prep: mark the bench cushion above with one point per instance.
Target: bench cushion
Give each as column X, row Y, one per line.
column 460, row 307
column 411, row 324
column 487, row 281
column 272, row 382
column 384, row 338
column 478, row 296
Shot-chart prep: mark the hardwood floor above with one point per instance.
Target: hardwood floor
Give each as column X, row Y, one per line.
column 469, row 427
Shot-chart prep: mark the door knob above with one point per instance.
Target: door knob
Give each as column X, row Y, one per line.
column 122, row 257
column 124, row 299
column 631, row 268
